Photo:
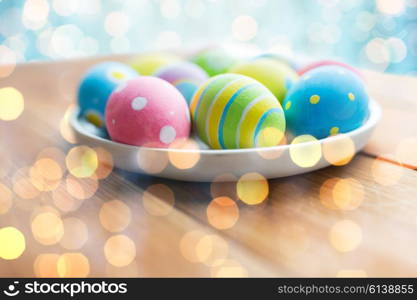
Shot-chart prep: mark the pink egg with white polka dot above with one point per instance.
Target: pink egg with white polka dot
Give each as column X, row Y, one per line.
column 147, row 111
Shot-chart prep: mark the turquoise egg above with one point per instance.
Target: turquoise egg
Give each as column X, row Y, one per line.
column 96, row 86
column 326, row 101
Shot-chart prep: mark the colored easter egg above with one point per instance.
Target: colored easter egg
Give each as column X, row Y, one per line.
column 185, row 76
column 147, row 111
column 290, row 61
column 326, row 101
column 96, row 86
column 215, row 61
column 278, row 77
column 235, row 111
column 148, row 64
column 322, row 63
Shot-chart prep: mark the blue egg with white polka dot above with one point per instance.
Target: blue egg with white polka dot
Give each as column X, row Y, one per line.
column 96, row 86
column 326, row 101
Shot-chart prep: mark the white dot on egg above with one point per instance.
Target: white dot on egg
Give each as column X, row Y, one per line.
column 113, row 121
column 139, row 103
column 120, row 87
column 167, row 134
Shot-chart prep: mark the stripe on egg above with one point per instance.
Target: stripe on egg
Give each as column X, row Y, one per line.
column 210, row 89
column 228, row 128
column 217, row 107
column 196, row 97
column 273, row 116
column 207, row 100
column 226, row 110
column 251, row 117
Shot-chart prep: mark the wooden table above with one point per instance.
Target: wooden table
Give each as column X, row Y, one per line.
column 355, row 220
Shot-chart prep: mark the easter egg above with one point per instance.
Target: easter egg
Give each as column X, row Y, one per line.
column 290, row 61
column 278, row 77
column 148, row 64
column 147, row 111
column 96, row 86
column 235, row 111
column 322, row 63
column 326, row 101
column 185, row 76
column 215, row 61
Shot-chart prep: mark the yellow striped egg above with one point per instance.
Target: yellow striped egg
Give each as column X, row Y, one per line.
column 234, row 111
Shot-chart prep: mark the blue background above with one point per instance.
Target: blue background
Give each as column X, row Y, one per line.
column 376, row 34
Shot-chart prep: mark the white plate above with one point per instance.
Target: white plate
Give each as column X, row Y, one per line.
column 271, row 162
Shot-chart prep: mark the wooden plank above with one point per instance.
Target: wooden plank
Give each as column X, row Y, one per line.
column 369, row 205
column 395, row 138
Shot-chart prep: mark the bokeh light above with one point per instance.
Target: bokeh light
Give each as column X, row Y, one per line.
column 73, row 264
column 12, row 243
column 252, row 188
column 11, row 104
column 339, row 151
column 105, row 163
column 115, row 215
column 35, row 14
column 45, row 174
column 222, row 213
column 47, row 228
column 120, row 250
column 184, row 155
column 75, row 234
column 117, row 23
column 66, row 8
column 229, row 268
column 345, row 235
column 188, row 246
column 211, row 250
column 46, row 265
column 63, row 200
column 81, row 188
column 158, row 200
column 244, row 28
column 197, row 246
column 342, row 193
column 152, row 162
column 305, row 151
column 273, row 152
column 82, row 161
column 56, row 154
column 390, row 7
column 269, row 136
column 170, row 9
